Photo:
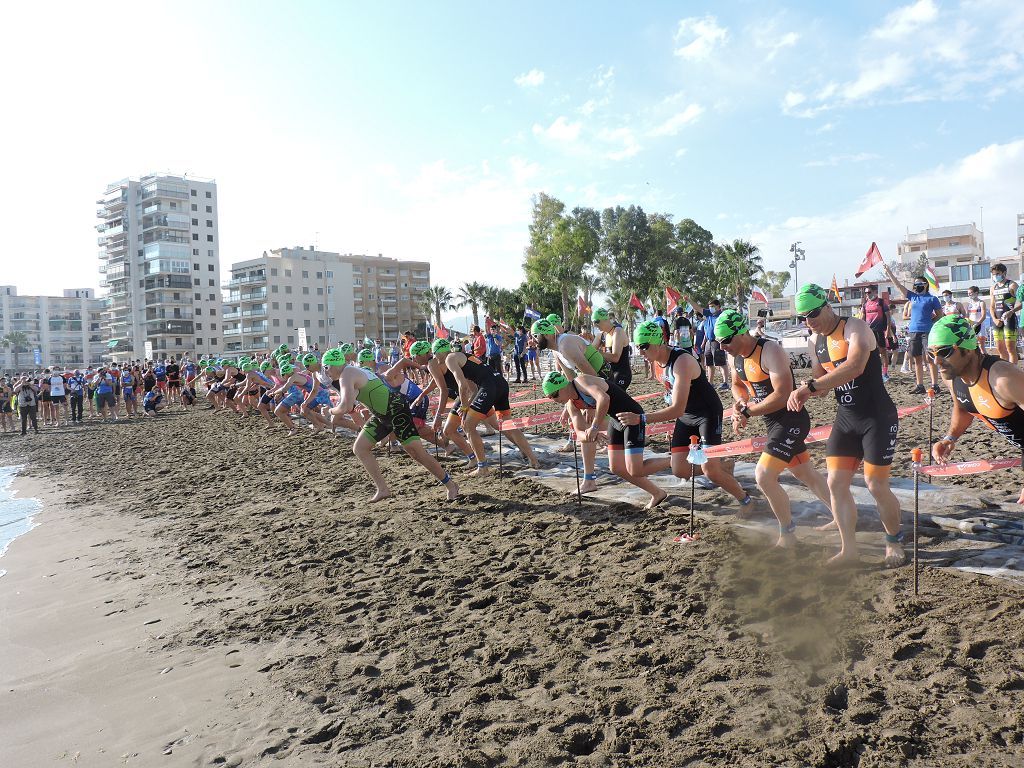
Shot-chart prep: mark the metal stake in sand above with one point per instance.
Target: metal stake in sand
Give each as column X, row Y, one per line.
column 697, row 458
column 915, row 457
column 500, row 464
column 931, row 414
column 437, row 439
column 576, row 464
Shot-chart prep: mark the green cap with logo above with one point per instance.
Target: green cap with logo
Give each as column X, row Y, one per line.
column 600, row 314
column 309, row 359
column 648, row 332
column 554, row 382
column 809, row 298
column 554, row 319
column 544, row 327
column 729, row 324
column 952, row 331
column 347, row 349
column 441, row 346
column 366, row 357
column 333, row 358
column 419, row 348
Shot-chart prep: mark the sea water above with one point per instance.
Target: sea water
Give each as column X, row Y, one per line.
column 15, row 513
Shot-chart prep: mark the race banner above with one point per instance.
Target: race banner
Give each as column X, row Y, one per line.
column 968, row 467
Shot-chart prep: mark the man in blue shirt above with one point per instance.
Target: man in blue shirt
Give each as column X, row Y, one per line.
column 925, row 309
column 711, row 354
column 519, row 354
column 494, row 343
column 76, row 386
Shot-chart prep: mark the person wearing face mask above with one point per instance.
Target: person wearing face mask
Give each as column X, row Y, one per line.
column 1003, row 305
column 951, row 307
column 876, row 313
column 977, row 313
column 925, row 309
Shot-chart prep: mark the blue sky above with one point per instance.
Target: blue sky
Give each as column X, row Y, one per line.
column 421, row 131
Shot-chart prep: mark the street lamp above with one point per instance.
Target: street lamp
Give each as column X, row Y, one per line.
column 798, row 256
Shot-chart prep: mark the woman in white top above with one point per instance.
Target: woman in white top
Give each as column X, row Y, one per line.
column 977, row 315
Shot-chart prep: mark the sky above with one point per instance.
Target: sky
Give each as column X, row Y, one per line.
column 422, row 131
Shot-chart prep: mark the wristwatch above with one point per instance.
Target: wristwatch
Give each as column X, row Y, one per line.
column 812, row 385
column 745, row 411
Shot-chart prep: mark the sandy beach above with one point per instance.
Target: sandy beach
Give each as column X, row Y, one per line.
column 202, row 592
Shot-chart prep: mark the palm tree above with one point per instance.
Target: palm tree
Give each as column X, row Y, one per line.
column 625, row 313
column 437, row 299
column 589, row 285
column 16, row 341
column 742, row 268
column 473, row 295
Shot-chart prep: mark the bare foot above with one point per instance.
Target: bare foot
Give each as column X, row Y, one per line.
column 380, row 495
column 786, row 541
column 1020, row 499
column 453, row 490
column 567, row 448
column 656, row 500
column 480, row 472
column 845, row 559
column 832, row 526
column 894, row 555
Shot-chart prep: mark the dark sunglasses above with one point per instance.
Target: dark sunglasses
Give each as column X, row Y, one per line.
column 810, row 315
column 943, row 353
column 918, row 285
column 553, row 396
column 643, row 347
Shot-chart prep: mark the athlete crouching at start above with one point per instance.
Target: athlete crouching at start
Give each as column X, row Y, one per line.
column 693, row 404
column 983, row 386
column 762, row 381
column 390, row 414
column 592, row 402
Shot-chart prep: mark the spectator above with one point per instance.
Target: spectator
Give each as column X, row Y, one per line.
column 493, row 342
column 925, row 309
column 659, row 318
column 6, row 407
column 878, row 315
column 28, row 403
column 103, row 382
column 58, row 397
column 531, row 355
column 682, row 335
column 711, row 354
column 519, row 354
column 76, row 389
column 479, row 343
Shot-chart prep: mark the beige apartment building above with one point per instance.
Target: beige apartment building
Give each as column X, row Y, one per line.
column 62, row 331
column 956, row 253
column 325, row 297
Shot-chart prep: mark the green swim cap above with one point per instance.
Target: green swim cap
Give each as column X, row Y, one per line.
column 554, row 319
column 281, row 350
column 266, row 365
column 309, row 359
column 366, row 357
column 600, row 314
column 287, row 369
column 441, row 346
column 809, row 298
column 544, row 327
column 209, row 369
column 333, row 358
column 347, row 349
column 952, row 331
column 554, row 382
column 730, row 323
column 247, row 367
column 648, row 332
column 419, row 348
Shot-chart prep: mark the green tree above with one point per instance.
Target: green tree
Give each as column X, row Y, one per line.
column 741, row 268
column 503, row 304
column 539, row 296
column 472, row 295
column 627, row 246
column 775, row 283
column 17, row 342
column 438, row 299
column 625, row 313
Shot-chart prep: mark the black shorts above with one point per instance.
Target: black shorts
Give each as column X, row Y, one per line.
column 630, row 439
column 6, row 407
column 856, row 436
column 707, row 426
column 105, row 399
column 713, row 354
column 786, row 434
column 396, row 418
column 918, row 342
column 622, row 377
column 45, row 397
column 879, row 338
column 58, row 398
column 492, row 397
column 173, row 384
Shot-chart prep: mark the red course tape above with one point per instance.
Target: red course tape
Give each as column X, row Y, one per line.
column 968, row 467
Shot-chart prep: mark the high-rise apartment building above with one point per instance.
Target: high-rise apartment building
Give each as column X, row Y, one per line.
column 62, row 331
column 333, row 297
column 160, row 264
column 956, row 253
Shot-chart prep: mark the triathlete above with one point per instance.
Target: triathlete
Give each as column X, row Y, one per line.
column 983, row 386
column 762, row 383
column 295, row 385
column 174, row 383
column 1002, row 305
column 390, row 414
column 593, row 403
column 443, row 380
column 614, row 347
column 951, row 307
column 484, row 406
column 692, row 403
column 845, row 358
column 317, row 403
column 977, row 311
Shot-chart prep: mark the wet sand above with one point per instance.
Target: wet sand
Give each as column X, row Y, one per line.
column 510, row 627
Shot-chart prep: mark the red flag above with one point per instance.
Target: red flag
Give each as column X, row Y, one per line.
column 581, row 306
column 636, row 303
column 873, row 256
column 835, row 288
column 672, row 299
column 758, row 296
column 441, row 332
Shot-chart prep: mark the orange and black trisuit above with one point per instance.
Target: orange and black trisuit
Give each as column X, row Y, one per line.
column 866, row 421
column 786, row 430
column 979, row 399
column 492, row 394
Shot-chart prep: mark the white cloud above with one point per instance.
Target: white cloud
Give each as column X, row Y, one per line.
column 945, row 195
column 696, row 37
column 906, row 21
column 531, row 79
column 587, row 108
column 787, row 40
column 826, row 127
column 560, row 130
column 605, row 76
column 627, row 145
column 681, row 151
column 834, row 160
column 792, row 99
column 678, row 121
column 893, row 70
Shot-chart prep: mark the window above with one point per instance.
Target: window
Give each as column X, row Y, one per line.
column 199, row 326
column 291, row 339
column 213, row 310
column 287, row 273
column 141, row 253
column 960, row 273
column 209, row 252
column 196, row 280
column 213, row 297
column 277, row 339
column 195, row 251
column 274, row 305
column 199, row 296
column 319, row 307
column 199, row 310
column 192, row 192
column 273, row 271
column 199, row 342
column 195, row 236
column 276, row 322
column 287, row 289
column 319, row 275
column 195, row 207
column 211, row 283
column 979, row 271
column 287, row 305
column 213, row 326
column 195, row 222
column 174, row 206
column 330, row 321
column 209, row 238
column 177, row 342
column 209, row 209
column 291, row 324
column 209, row 195
column 273, row 289
column 195, row 267
column 319, row 291
column 213, row 342
column 329, row 274
column 305, row 307
column 330, row 289
column 209, row 267
column 305, row 274
column 305, row 290
column 321, row 323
